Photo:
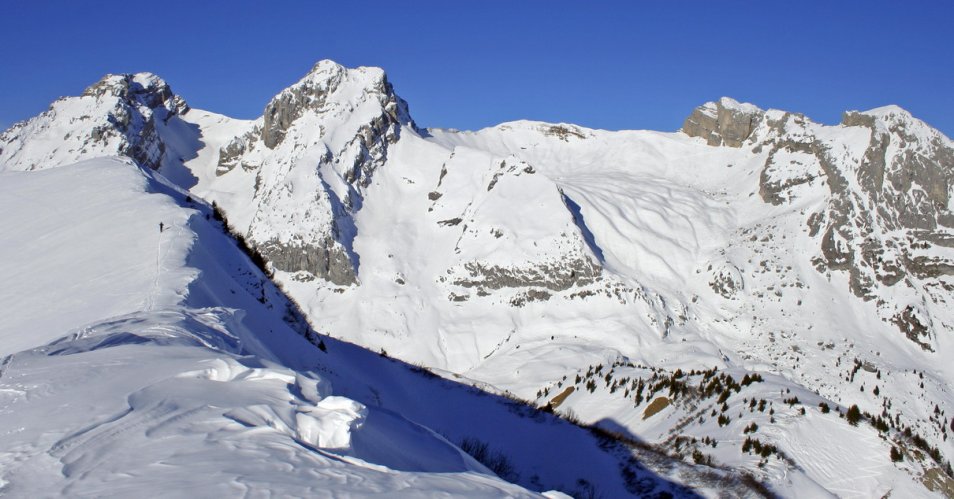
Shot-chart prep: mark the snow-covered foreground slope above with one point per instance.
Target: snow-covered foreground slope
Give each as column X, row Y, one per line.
column 169, row 403
column 148, row 362
column 725, row 293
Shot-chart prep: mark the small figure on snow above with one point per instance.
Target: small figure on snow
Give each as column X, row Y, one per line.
column 161, row 226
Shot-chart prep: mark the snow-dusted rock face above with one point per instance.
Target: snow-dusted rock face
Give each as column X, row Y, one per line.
column 894, row 212
column 887, row 220
column 119, row 115
column 493, row 251
column 312, row 153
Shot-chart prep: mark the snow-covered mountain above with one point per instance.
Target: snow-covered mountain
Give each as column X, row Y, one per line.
column 728, row 295
column 140, row 361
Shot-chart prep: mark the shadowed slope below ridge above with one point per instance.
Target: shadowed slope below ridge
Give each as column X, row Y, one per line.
column 139, row 385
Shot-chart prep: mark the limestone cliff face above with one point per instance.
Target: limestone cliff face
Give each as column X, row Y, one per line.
column 888, row 179
column 141, row 89
column 894, row 213
column 142, row 99
column 725, row 122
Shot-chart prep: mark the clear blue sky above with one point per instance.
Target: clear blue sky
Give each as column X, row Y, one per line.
column 613, row 65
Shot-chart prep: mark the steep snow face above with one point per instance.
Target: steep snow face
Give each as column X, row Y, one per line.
column 119, row 115
column 456, row 245
column 538, row 246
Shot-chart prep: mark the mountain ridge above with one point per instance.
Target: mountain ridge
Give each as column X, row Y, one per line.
column 522, row 256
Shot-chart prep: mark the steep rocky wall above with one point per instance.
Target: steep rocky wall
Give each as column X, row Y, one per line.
column 725, row 122
column 885, row 212
column 327, row 260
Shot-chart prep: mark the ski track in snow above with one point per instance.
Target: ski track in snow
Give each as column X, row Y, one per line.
column 150, row 297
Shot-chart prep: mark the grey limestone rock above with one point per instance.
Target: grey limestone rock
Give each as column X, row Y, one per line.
column 313, row 93
column 775, row 190
column 318, row 93
column 142, row 89
column 725, row 122
column 231, row 154
column 726, row 280
column 554, row 277
column 329, row 260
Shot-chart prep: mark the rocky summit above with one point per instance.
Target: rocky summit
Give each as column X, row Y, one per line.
column 757, row 304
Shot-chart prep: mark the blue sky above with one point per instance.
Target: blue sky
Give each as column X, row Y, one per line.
column 613, row 65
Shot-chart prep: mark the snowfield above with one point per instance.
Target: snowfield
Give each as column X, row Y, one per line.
column 713, row 301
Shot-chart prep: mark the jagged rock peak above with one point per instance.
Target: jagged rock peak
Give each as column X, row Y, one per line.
column 141, row 89
column 895, row 119
column 726, row 122
column 118, row 115
column 329, row 88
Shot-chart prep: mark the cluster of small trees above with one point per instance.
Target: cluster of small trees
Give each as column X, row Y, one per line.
column 497, row 461
column 753, row 444
column 253, row 253
column 709, row 383
column 724, row 420
column 854, row 415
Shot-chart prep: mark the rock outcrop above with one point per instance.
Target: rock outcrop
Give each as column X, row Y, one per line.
column 726, row 122
column 888, row 210
column 558, row 276
column 326, row 260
